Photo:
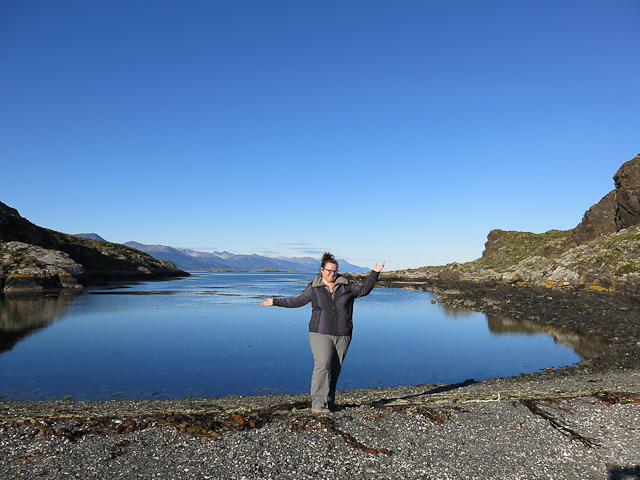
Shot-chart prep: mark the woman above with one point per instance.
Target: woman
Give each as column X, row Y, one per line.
column 330, row 327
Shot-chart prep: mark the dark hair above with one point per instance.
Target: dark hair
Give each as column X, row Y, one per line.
column 328, row 258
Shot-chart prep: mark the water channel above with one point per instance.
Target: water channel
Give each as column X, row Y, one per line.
column 207, row 336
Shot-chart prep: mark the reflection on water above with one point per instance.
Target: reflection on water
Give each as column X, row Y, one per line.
column 457, row 313
column 585, row 345
column 206, row 335
column 24, row 316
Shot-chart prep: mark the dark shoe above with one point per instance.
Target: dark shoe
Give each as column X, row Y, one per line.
column 336, row 408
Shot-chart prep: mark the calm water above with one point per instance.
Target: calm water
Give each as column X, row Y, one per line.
column 207, row 336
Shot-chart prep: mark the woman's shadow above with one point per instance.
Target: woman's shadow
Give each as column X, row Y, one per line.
column 625, row 473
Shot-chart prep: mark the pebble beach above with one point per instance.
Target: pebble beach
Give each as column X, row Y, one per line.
column 546, row 425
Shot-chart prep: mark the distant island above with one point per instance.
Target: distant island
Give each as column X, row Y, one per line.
column 273, row 270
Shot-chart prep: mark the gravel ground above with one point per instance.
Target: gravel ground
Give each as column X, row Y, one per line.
column 528, row 427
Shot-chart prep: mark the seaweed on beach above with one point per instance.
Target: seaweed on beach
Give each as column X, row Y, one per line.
column 607, row 398
column 610, row 398
column 534, row 406
column 116, row 450
column 74, row 428
column 324, row 422
column 429, row 413
column 201, row 424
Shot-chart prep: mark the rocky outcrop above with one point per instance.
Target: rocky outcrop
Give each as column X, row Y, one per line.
column 35, row 259
column 617, row 210
column 600, row 219
column 627, row 181
column 38, row 269
column 506, row 248
column 606, row 262
column 14, row 227
column 52, row 261
column 602, row 253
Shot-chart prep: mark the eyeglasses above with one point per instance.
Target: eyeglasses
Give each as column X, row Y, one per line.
column 330, row 271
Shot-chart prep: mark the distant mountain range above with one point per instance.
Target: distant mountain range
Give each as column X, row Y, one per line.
column 90, row 236
column 193, row 260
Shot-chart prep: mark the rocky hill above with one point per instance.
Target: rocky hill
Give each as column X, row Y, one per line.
column 601, row 253
column 37, row 259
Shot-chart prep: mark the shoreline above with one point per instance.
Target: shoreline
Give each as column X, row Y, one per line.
column 559, row 382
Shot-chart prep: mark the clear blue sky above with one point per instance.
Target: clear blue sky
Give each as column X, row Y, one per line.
column 403, row 131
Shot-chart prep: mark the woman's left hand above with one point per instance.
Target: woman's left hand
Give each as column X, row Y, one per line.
column 377, row 267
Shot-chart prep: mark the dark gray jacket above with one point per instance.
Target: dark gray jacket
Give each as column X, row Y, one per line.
column 331, row 316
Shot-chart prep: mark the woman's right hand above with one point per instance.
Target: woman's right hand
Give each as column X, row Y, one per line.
column 267, row 303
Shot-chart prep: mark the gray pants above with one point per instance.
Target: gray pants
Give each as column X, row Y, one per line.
column 328, row 353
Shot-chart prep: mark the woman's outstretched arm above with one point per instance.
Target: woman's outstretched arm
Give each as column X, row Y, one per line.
column 369, row 282
column 290, row 302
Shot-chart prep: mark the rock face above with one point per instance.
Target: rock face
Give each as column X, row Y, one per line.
column 627, row 181
column 617, row 210
column 35, row 259
column 602, row 251
column 38, row 269
column 600, row 219
column 52, row 261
